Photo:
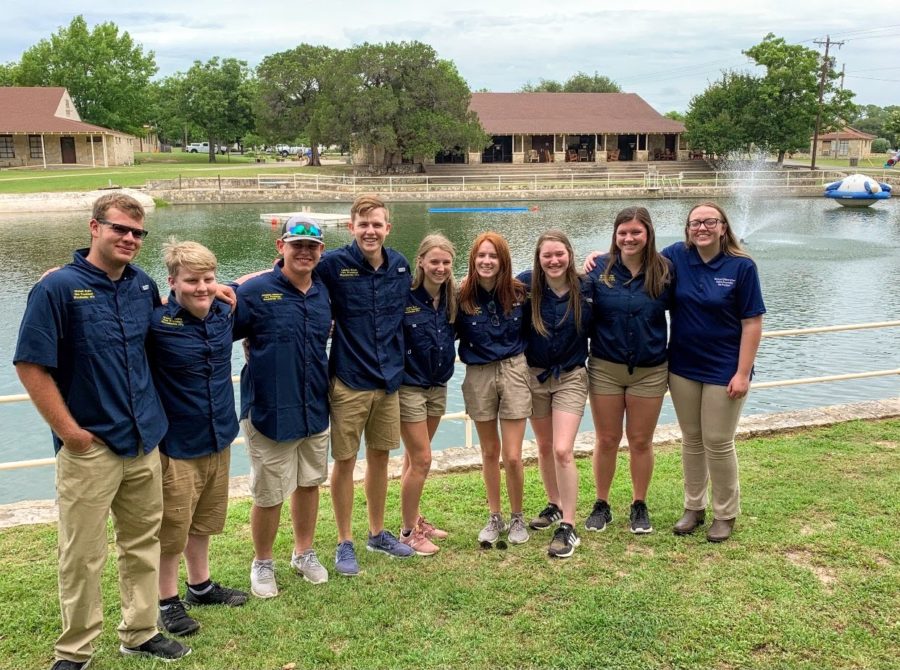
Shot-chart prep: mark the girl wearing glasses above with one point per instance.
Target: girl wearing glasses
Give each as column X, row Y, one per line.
column 429, row 357
column 715, row 331
column 556, row 349
column 491, row 332
column 631, row 290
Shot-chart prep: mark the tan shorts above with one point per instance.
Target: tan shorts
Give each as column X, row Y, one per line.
column 195, row 498
column 609, row 378
column 498, row 389
column 566, row 394
column 278, row 468
column 354, row 412
column 417, row 403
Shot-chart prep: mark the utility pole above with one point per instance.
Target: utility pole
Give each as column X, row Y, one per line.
column 826, row 65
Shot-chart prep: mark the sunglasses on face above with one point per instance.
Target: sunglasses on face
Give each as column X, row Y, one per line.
column 119, row 229
column 709, row 224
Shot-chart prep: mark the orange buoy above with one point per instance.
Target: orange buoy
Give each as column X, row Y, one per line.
column 534, row 208
column 274, row 221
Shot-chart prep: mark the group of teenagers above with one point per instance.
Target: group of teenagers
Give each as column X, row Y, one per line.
column 117, row 371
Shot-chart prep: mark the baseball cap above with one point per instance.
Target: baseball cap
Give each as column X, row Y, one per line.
column 301, row 228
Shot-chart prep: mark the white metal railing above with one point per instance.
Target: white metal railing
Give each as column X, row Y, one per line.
column 688, row 181
column 462, row 416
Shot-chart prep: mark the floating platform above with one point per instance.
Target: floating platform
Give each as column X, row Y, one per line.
column 467, row 210
column 857, row 190
column 322, row 218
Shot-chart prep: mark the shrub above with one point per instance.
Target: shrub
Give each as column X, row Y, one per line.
column 880, row 145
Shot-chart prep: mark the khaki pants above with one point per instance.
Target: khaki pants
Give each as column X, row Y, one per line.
column 88, row 487
column 708, row 420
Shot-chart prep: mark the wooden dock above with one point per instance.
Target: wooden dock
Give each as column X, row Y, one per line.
column 322, row 218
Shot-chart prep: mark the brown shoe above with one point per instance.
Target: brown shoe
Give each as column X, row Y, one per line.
column 720, row 530
column 690, row 521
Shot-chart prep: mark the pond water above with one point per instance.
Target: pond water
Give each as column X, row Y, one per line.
column 819, row 265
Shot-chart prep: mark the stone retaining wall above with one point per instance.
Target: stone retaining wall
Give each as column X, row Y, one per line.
column 460, row 459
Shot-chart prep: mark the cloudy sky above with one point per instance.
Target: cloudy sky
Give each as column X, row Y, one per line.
column 665, row 51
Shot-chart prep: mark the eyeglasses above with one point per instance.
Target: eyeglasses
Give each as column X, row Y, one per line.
column 119, row 229
column 709, row 224
column 301, row 229
column 492, row 310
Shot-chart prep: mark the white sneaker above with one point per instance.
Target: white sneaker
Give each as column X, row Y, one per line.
column 262, row 578
column 307, row 564
column 518, row 533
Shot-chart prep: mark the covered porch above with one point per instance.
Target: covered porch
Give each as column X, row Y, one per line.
column 581, row 148
column 97, row 149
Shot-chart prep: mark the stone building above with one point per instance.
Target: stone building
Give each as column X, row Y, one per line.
column 846, row 143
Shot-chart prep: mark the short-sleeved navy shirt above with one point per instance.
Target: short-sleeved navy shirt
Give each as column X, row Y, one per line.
column 482, row 342
column 367, row 347
column 710, row 301
column 89, row 332
column 565, row 348
column 191, row 363
column 429, row 340
column 284, row 385
column 629, row 326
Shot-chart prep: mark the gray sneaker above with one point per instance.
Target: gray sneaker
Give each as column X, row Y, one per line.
column 307, row 564
column 262, row 578
column 491, row 533
column 518, row 532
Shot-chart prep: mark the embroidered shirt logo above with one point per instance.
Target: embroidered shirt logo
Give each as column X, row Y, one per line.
column 413, row 309
column 724, row 282
column 349, row 272
column 167, row 320
column 82, row 294
column 401, row 270
column 145, row 287
column 270, row 297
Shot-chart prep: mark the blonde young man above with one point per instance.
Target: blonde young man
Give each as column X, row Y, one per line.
column 190, row 354
column 80, row 356
column 369, row 285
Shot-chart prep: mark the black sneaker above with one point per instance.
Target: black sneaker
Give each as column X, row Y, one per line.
column 640, row 518
column 174, row 619
column 548, row 516
column 564, row 542
column 599, row 517
column 217, row 595
column 63, row 664
column 160, row 647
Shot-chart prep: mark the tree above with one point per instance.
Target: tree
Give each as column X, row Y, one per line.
column 580, row 82
column 216, row 97
column 105, row 72
column 674, row 115
column 892, row 127
column 722, row 119
column 788, row 95
column 401, row 99
column 295, row 96
column 874, row 119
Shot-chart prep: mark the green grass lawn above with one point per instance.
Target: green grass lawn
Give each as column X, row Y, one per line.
column 149, row 167
column 809, row 580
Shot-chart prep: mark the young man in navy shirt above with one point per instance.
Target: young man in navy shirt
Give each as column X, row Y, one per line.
column 369, row 285
column 285, row 315
column 81, row 357
column 190, row 353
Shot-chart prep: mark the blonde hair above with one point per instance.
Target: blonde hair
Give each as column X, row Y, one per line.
column 507, row 288
column 437, row 241
column 654, row 264
column 538, row 280
column 192, row 256
column 728, row 241
column 121, row 201
column 365, row 203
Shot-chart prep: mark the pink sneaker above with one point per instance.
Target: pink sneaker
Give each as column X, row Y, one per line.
column 430, row 531
column 419, row 542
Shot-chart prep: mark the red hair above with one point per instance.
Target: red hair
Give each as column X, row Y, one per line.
column 507, row 289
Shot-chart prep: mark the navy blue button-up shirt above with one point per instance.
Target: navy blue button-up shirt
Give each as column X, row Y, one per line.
column 89, row 332
column 629, row 325
column 429, row 339
column 565, row 348
column 480, row 341
column 367, row 347
column 711, row 299
column 284, row 386
column 191, row 362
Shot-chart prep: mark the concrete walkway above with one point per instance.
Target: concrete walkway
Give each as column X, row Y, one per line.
column 460, row 459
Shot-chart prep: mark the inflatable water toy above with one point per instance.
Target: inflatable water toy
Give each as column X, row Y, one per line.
column 857, row 190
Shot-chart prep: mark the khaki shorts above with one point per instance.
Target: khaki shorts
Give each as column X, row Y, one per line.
column 498, row 390
column 354, row 412
column 417, row 403
column 609, row 378
column 195, row 498
column 278, row 468
column 566, row 394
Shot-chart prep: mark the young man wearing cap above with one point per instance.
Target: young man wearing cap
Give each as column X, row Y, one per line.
column 369, row 285
column 190, row 353
column 81, row 357
column 285, row 315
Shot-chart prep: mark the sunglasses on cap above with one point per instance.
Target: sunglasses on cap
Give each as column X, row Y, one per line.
column 310, row 230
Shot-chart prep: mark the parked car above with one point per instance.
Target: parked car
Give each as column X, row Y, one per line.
column 286, row 150
column 203, row 148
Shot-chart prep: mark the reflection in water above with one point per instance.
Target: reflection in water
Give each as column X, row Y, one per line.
column 819, row 265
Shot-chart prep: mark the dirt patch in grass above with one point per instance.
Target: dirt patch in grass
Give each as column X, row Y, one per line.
column 638, row 549
column 805, row 559
column 886, row 444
